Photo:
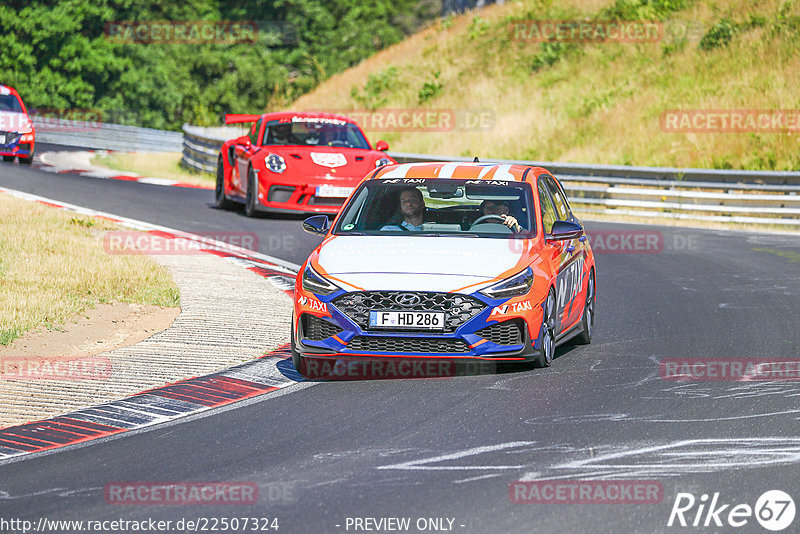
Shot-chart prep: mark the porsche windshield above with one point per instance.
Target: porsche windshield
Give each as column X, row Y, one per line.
column 314, row 131
column 468, row 208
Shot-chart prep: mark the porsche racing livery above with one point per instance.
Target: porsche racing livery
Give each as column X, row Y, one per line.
column 306, row 162
column 495, row 267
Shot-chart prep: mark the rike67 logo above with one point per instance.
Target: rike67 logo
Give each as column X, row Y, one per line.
column 774, row 510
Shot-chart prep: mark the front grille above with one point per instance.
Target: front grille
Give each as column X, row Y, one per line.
column 279, row 193
column 9, row 138
column 407, row 344
column 317, row 329
column 458, row 308
column 505, row 333
column 325, row 201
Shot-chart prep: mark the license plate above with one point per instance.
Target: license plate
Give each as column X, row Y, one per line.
column 407, row 319
column 333, row 191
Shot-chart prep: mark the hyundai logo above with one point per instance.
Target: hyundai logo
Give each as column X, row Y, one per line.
column 407, row 299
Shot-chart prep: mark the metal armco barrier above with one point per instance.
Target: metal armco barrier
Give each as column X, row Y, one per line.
column 201, row 145
column 748, row 197
column 103, row 136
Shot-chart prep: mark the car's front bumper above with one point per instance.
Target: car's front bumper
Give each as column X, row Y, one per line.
column 11, row 144
column 277, row 193
column 337, row 329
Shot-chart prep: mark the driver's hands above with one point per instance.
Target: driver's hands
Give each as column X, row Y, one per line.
column 512, row 223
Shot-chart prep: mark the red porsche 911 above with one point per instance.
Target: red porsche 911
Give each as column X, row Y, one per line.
column 300, row 162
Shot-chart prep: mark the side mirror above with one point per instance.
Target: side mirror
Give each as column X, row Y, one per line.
column 317, row 225
column 243, row 140
column 382, row 146
column 564, row 230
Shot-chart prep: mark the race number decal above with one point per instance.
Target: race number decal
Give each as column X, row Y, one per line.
column 569, row 284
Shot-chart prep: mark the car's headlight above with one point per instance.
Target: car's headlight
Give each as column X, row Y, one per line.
column 275, row 163
column 517, row 285
column 26, row 137
column 383, row 161
column 315, row 283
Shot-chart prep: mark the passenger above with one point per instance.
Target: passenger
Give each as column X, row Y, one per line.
column 412, row 207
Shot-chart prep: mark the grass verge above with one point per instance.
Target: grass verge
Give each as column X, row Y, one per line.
column 153, row 164
column 53, row 266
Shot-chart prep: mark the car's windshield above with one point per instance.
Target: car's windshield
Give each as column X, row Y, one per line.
column 10, row 103
column 314, row 131
column 445, row 207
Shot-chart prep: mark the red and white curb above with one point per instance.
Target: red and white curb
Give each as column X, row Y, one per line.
column 79, row 162
column 271, row 372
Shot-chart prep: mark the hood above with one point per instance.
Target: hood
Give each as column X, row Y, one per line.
column 326, row 163
column 417, row 263
column 12, row 121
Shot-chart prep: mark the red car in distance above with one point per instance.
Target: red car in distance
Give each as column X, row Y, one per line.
column 17, row 134
column 296, row 162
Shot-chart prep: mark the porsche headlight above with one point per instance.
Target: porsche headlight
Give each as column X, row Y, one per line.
column 517, row 285
column 315, row 283
column 383, row 161
column 275, row 163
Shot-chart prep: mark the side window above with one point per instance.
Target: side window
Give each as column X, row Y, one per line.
column 546, row 204
column 558, row 197
column 254, row 132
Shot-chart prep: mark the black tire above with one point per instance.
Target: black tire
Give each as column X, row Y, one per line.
column 250, row 204
column 587, row 323
column 220, row 200
column 26, row 161
column 548, row 335
column 297, row 360
column 8, row 158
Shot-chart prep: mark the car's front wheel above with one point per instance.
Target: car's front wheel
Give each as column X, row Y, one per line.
column 297, row 360
column 8, row 158
column 547, row 336
column 252, row 192
column 220, row 200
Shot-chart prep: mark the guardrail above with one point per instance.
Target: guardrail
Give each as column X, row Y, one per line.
column 103, row 136
column 749, row 197
column 201, row 145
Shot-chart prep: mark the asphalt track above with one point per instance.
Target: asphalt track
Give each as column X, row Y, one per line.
column 450, row 448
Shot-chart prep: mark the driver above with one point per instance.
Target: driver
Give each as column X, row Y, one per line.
column 412, row 207
column 499, row 207
column 282, row 135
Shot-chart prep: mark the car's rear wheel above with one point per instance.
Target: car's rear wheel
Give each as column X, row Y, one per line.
column 587, row 323
column 8, row 158
column 547, row 336
column 252, row 191
column 220, row 200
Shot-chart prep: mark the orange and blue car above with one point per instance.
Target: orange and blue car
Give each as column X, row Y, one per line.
column 494, row 266
column 294, row 162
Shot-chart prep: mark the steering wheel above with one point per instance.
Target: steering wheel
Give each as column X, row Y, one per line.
column 483, row 218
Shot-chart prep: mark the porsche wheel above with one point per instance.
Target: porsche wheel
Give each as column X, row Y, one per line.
column 587, row 324
column 220, row 200
column 250, row 199
column 8, row 158
column 548, row 335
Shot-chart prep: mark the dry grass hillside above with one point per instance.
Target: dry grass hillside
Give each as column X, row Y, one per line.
column 589, row 102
